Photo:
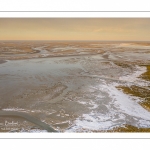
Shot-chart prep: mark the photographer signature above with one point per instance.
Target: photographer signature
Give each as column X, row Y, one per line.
column 9, row 123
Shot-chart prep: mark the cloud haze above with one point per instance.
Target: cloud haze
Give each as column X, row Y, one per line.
column 131, row 29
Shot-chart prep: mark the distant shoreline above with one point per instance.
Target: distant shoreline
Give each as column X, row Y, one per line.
column 68, row 41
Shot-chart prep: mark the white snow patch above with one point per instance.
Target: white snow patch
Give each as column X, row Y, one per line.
column 14, row 109
column 28, row 111
column 34, row 131
column 92, row 104
column 121, row 109
column 133, row 77
column 126, row 104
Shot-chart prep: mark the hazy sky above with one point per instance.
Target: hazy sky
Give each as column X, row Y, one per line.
column 75, row 29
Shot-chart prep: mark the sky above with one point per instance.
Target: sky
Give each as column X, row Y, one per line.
column 107, row 29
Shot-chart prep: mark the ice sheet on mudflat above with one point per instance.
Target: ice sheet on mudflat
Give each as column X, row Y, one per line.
column 120, row 109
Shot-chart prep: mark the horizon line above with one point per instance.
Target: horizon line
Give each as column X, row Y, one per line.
column 86, row 40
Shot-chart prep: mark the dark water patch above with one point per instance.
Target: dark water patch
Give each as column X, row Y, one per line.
column 2, row 61
column 28, row 118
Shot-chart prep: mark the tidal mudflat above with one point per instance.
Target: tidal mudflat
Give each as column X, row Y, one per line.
column 74, row 86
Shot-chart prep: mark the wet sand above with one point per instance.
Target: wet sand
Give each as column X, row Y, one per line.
column 72, row 86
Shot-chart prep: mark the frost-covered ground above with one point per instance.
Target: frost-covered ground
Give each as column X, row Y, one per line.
column 77, row 92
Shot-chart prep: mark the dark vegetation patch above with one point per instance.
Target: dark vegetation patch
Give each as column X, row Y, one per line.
column 129, row 128
column 138, row 92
